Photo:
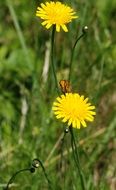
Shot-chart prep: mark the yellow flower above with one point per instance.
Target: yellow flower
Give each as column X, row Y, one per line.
column 73, row 109
column 55, row 13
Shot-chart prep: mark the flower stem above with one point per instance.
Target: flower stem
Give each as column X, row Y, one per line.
column 45, row 174
column 52, row 58
column 62, row 145
column 14, row 175
column 76, row 158
column 35, row 164
column 73, row 49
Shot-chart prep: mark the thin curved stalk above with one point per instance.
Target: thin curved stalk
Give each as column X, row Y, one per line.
column 77, row 159
column 14, row 175
column 62, row 145
column 84, row 30
column 44, row 171
column 35, row 164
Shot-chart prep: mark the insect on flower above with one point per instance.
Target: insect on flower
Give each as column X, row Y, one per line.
column 65, row 86
column 73, row 108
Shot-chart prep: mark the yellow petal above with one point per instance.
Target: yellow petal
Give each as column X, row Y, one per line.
column 58, row 99
column 91, row 108
column 64, row 27
column 48, row 25
column 57, row 27
column 44, row 23
column 74, row 124
column 70, row 122
column 78, row 124
column 90, row 118
column 64, row 120
column 91, row 112
column 83, row 123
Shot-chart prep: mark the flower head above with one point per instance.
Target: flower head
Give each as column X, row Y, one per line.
column 74, row 109
column 55, row 13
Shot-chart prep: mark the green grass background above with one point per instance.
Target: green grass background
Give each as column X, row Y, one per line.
column 28, row 128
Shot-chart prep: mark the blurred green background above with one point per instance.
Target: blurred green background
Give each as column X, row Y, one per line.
column 28, row 128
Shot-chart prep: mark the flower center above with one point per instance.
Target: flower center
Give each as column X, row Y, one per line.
column 58, row 16
column 75, row 110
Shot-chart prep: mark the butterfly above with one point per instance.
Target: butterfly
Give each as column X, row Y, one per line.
column 65, row 86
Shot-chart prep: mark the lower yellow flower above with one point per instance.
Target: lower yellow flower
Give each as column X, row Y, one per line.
column 73, row 109
column 55, row 13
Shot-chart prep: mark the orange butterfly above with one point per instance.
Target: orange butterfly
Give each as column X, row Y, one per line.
column 65, row 86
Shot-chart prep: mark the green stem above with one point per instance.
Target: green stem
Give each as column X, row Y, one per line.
column 52, row 58
column 62, row 145
column 35, row 164
column 44, row 171
column 72, row 54
column 14, row 175
column 76, row 158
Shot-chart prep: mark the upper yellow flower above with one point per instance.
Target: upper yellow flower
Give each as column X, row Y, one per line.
column 55, row 13
column 74, row 109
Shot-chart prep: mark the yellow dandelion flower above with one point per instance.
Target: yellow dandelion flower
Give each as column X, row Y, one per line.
column 55, row 13
column 73, row 109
